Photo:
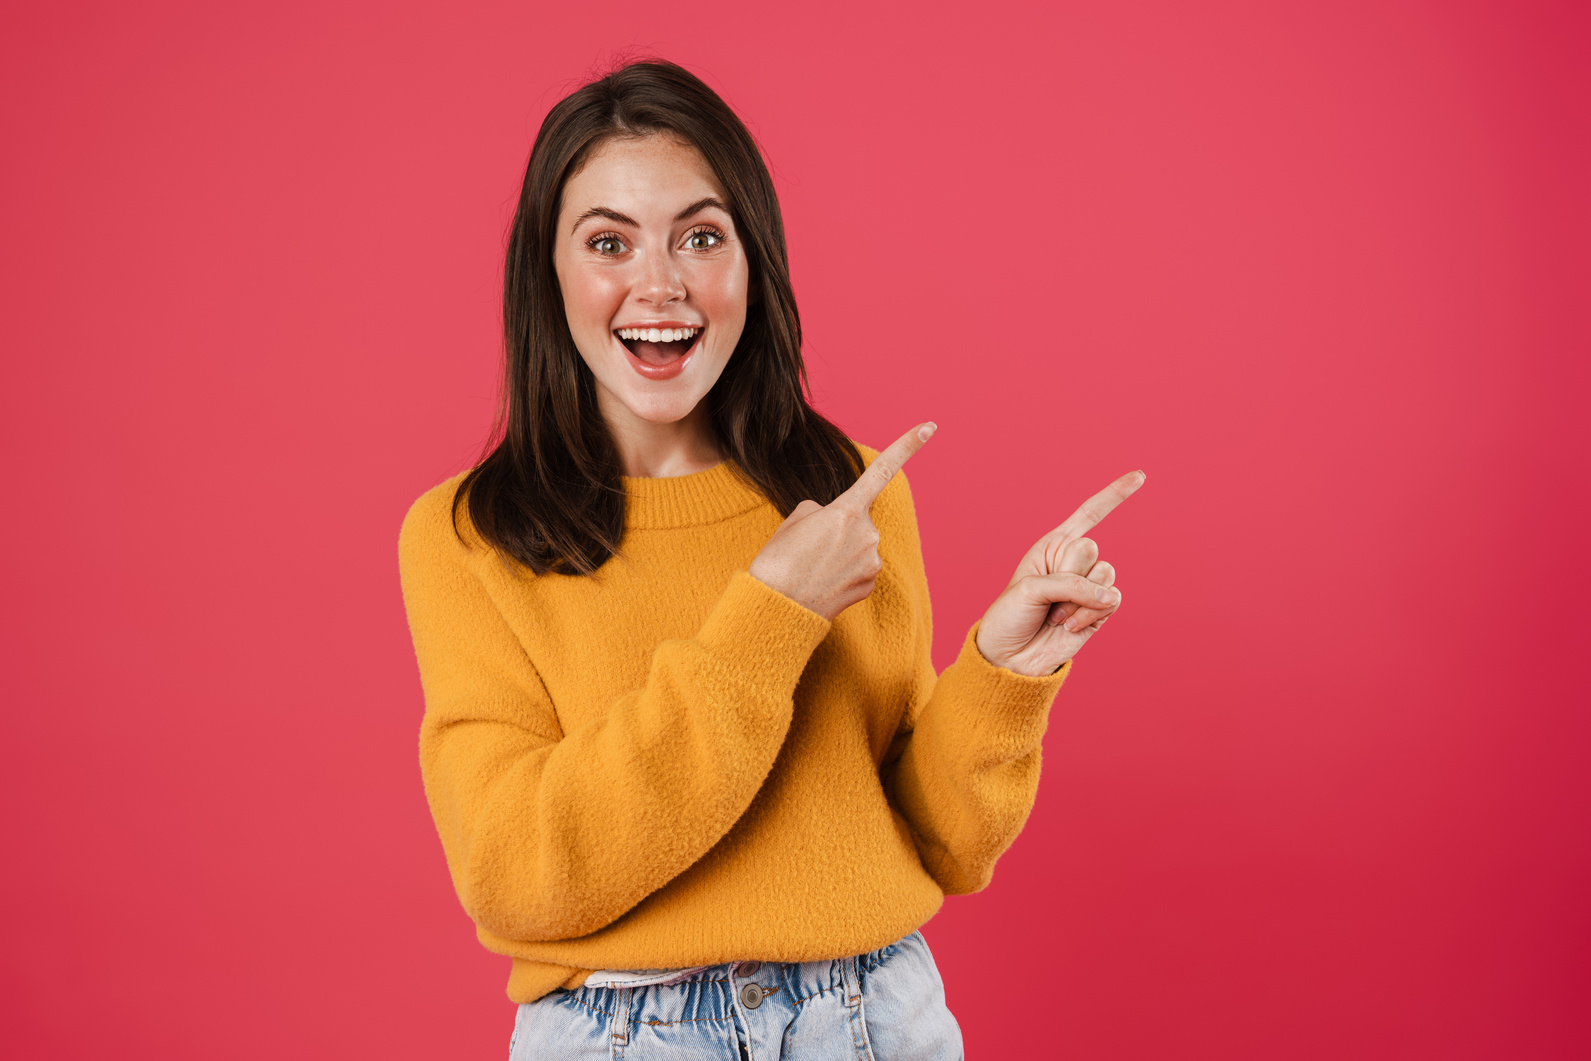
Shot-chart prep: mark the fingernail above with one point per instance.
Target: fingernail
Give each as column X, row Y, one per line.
column 926, row 432
column 1071, row 624
column 1099, row 594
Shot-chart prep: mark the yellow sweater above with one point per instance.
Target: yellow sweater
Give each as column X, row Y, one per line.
column 672, row 765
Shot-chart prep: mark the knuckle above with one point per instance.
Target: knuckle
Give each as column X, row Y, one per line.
column 1081, row 554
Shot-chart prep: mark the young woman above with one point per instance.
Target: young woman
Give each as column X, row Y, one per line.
column 688, row 756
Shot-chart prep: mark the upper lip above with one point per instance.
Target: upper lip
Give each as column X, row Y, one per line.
column 659, row 324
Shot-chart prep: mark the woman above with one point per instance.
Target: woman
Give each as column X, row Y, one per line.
column 689, row 760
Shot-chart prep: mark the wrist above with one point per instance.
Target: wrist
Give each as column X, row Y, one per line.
column 992, row 656
column 773, row 582
column 1022, row 669
column 1012, row 661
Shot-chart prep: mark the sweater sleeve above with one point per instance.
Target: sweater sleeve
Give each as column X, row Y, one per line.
column 963, row 770
column 553, row 835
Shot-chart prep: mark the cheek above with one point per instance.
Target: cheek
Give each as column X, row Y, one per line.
column 722, row 291
column 591, row 298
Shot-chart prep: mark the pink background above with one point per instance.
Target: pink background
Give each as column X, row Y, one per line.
column 1320, row 791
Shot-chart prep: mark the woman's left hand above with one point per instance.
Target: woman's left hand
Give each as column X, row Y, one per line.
column 1061, row 594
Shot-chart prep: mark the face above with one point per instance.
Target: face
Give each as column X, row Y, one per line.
column 653, row 276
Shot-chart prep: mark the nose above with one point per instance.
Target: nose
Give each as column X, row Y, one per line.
column 660, row 282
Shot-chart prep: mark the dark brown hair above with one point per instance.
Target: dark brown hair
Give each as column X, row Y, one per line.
column 548, row 493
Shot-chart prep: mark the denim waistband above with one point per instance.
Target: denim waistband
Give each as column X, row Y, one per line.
column 709, row 993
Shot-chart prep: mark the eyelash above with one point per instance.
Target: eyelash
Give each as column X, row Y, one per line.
column 706, row 230
column 699, row 230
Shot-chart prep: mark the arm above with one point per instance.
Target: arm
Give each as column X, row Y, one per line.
column 552, row 835
column 963, row 769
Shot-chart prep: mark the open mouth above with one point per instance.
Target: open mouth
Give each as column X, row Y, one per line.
column 658, row 347
column 658, row 353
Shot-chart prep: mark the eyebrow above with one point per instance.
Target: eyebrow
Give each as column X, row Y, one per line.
column 613, row 215
column 602, row 211
column 699, row 205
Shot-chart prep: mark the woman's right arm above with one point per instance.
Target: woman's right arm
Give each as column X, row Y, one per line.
column 553, row 835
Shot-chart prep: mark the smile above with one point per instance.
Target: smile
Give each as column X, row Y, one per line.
column 659, row 353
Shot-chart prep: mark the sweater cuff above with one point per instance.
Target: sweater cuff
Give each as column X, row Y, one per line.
column 761, row 631
column 1002, row 694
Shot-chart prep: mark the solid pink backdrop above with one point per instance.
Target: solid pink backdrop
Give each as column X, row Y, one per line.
column 1322, row 270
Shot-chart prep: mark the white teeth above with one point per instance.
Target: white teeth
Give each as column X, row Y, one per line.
column 658, row 335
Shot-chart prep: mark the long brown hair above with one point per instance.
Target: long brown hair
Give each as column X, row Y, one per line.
column 548, row 493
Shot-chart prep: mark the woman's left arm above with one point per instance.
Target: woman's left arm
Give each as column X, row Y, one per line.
column 964, row 769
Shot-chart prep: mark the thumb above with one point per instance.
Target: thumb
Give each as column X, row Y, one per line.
column 1068, row 588
column 801, row 512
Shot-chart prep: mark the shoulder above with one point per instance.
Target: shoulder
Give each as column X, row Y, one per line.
column 429, row 529
column 900, row 544
column 894, row 506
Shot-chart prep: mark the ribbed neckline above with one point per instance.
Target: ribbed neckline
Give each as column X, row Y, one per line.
column 688, row 500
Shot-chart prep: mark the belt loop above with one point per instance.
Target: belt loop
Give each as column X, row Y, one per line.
column 850, row 978
column 619, row 1033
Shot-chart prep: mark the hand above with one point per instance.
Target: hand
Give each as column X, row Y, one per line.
column 825, row 557
column 1061, row 594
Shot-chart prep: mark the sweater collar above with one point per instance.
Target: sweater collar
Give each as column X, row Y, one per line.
column 719, row 493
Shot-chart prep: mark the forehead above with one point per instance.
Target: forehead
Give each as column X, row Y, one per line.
column 640, row 176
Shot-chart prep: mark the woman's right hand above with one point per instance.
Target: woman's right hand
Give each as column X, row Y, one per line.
column 825, row 557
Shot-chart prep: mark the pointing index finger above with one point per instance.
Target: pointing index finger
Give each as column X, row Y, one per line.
column 1099, row 506
column 877, row 475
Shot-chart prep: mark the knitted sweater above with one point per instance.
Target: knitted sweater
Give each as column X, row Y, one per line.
column 670, row 764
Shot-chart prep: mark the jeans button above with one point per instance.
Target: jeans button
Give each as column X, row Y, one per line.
column 749, row 968
column 751, row 996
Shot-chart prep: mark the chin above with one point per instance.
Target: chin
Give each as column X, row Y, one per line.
column 662, row 408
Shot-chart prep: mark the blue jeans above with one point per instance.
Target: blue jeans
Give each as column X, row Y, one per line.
column 888, row 1005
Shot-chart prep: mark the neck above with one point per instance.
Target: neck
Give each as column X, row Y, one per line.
column 649, row 450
